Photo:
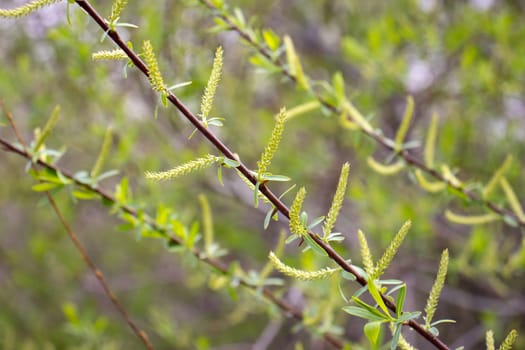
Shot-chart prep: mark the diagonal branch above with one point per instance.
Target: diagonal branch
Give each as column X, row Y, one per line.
column 78, row 244
column 217, row 264
column 280, row 206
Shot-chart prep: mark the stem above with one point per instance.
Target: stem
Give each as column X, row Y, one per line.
column 217, row 264
column 86, row 6
column 77, row 243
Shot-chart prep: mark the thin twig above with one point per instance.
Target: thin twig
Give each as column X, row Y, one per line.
column 217, row 264
column 137, row 61
column 79, row 246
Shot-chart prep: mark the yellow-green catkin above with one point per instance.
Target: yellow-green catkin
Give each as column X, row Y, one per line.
column 296, row 226
column 273, row 144
column 211, row 87
column 194, row 165
column 337, row 202
column 391, row 251
column 489, row 340
column 366, row 255
column 116, row 9
column 155, row 78
column 26, row 9
column 117, row 54
column 510, row 339
column 470, row 219
column 385, row 169
column 405, row 123
column 300, row 274
column 435, row 292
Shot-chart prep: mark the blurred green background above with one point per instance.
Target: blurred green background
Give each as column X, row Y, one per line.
column 464, row 60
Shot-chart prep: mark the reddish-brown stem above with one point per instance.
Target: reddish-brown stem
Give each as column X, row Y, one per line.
column 86, row 6
column 218, row 265
column 76, row 242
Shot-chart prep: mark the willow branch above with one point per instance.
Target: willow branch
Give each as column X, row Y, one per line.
column 78, row 244
column 216, row 264
column 220, row 146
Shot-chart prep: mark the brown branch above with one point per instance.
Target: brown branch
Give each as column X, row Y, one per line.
column 76, row 241
column 86, row 6
column 217, row 264
column 378, row 137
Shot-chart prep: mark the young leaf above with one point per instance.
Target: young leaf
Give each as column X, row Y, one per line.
column 400, row 299
column 45, row 186
column 363, row 313
column 372, row 330
column 103, row 154
column 50, row 124
column 374, row 292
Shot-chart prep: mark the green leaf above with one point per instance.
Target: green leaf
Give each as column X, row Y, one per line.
column 442, row 321
column 106, row 174
column 46, row 186
column 396, row 336
column 371, row 330
column 371, row 309
column 348, row 276
column 84, row 195
column 271, row 39
column 268, row 217
column 400, row 300
column 374, row 292
column 256, row 195
column 291, row 238
column 362, row 313
column 215, row 122
column 231, row 162
column 335, row 237
column 179, row 85
column 278, row 178
column 313, row 244
column 315, row 222
column 406, row 316
column 164, row 99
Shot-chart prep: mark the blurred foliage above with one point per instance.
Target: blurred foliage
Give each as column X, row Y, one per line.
column 456, row 58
